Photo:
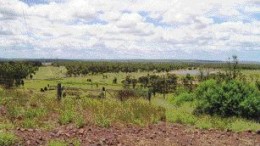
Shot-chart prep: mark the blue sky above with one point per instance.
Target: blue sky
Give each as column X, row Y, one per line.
column 130, row 29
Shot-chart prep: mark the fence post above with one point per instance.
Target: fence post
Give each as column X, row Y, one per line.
column 104, row 91
column 149, row 95
column 59, row 91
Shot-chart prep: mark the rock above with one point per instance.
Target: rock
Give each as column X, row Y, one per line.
column 81, row 131
column 152, row 137
column 59, row 132
column 41, row 138
column 53, row 134
column 67, row 134
column 30, row 130
column 228, row 130
column 28, row 142
column 38, row 141
column 258, row 132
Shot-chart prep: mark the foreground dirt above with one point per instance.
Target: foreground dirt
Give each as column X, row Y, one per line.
column 161, row 134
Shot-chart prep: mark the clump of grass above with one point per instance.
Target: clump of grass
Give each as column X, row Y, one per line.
column 76, row 142
column 29, row 123
column 57, row 143
column 66, row 117
column 102, row 121
column 242, row 125
column 6, row 126
column 80, row 121
column 34, row 112
column 7, row 139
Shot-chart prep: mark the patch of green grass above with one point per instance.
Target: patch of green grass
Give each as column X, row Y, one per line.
column 66, row 117
column 50, row 72
column 7, row 139
column 6, row 126
column 29, row 123
column 57, row 143
column 242, row 125
column 34, row 112
column 80, row 121
column 76, row 142
column 102, row 121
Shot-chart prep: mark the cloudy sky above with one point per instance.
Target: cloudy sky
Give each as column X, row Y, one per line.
column 130, row 29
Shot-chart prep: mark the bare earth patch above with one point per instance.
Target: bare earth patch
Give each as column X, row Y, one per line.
column 157, row 134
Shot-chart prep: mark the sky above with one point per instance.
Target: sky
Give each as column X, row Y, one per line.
column 130, row 29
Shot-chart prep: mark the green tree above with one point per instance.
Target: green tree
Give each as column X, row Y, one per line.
column 13, row 73
column 187, row 82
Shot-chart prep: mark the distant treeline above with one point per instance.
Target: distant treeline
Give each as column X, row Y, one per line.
column 92, row 67
column 33, row 63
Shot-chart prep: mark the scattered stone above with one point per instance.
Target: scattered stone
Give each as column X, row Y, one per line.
column 59, row 132
column 28, row 142
column 67, row 134
column 81, row 131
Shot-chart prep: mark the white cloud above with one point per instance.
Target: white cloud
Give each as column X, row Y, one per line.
column 147, row 26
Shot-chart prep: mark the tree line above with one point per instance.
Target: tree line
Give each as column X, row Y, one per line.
column 76, row 68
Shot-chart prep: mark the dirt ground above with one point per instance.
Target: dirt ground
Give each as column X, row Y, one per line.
column 161, row 134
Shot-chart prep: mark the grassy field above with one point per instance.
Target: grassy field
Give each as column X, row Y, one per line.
column 27, row 107
column 176, row 114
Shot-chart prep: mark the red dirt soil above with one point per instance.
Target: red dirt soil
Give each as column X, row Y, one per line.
column 161, row 134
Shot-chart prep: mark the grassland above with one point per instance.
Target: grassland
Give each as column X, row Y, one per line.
column 174, row 113
column 27, row 107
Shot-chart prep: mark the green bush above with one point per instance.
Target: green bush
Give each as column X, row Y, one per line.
column 7, row 139
column 233, row 98
column 184, row 97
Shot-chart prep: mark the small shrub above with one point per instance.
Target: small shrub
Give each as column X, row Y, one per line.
column 184, row 97
column 7, row 139
column 126, row 94
column 233, row 98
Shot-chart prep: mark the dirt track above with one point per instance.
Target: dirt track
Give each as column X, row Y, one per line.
column 158, row 134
